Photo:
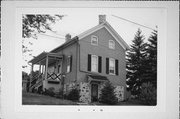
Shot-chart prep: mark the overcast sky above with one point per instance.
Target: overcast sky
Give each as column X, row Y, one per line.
column 78, row 20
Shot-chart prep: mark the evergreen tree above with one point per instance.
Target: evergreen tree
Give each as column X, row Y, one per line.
column 135, row 63
column 107, row 95
column 151, row 60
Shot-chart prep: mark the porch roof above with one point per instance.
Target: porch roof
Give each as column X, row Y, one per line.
column 98, row 77
column 43, row 55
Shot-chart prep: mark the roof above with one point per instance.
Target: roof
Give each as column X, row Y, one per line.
column 87, row 32
column 71, row 41
column 98, row 77
column 42, row 55
column 106, row 25
column 110, row 29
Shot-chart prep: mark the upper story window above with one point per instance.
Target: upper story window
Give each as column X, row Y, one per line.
column 111, row 66
column 94, row 40
column 111, row 44
column 94, row 63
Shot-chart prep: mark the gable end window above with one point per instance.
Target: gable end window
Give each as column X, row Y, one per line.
column 111, row 44
column 94, row 40
column 69, row 64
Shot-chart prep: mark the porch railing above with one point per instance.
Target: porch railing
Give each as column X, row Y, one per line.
column 54, row 76
column 37, row 79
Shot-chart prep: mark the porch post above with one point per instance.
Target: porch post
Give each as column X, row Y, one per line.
column 31, row 76
column 39, row 67
column 46, row 70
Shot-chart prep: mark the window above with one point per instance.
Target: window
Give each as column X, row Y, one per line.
column 94, row 63
column 111, row 66
column 69, row 63
column 111, row 44
column 94, row 40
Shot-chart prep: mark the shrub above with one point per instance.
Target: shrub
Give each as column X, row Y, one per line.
column 59, row 94
column 49, row 91
column 107, row 95
column 148, row 94
column 73, row 95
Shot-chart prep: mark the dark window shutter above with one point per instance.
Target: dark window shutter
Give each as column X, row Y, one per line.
column 99, row 64
column 89, row 63
column 107, row 65
column 71, row 63
column 116, row 67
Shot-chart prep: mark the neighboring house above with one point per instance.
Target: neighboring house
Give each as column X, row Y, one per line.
column 86, row 61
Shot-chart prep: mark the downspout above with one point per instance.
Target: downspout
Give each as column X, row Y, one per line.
column 30, row 77
column 77, row 55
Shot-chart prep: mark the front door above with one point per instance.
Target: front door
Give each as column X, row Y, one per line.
column 94, row 92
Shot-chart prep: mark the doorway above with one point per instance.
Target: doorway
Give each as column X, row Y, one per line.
column 94, row 92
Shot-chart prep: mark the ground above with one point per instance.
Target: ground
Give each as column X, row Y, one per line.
column 37, row 99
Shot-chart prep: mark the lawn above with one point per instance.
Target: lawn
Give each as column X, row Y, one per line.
column 37, row 99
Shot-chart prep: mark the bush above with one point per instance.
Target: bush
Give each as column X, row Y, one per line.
column 148, row 94
column 107, row 95
column 59, row 94
column 49, row 91
column 73, row 95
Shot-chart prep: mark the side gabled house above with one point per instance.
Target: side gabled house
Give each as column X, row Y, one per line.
column 86, row 61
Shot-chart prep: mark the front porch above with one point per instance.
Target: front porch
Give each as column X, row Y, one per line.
column 48, row 71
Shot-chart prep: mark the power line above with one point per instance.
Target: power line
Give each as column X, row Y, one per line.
column 51, row 36
column 133, row 22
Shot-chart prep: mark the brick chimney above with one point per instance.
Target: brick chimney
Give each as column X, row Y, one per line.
column 102, row 19
column 67, row 37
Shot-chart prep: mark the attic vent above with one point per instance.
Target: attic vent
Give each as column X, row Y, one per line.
column 102, row 19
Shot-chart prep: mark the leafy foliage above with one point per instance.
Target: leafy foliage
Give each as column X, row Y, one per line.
column 37, row 23
column 33, row 24
column 107, row 95
column 49, row 91
column 148, row 94
column 135, row 63
column 73, row 95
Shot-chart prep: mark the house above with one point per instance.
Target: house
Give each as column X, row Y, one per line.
column 86, row 61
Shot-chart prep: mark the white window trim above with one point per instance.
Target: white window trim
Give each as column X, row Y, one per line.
column 92, row 62
column 114, row 66
column 109, row 44
column 68, row 58
column 92, row 42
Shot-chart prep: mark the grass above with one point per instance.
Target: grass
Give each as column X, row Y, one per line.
column 37, row 99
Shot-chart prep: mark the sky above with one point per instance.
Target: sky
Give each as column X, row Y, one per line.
column 78, row 20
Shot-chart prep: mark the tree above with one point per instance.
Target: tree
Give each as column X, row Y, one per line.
column 107, row 94
column 37, row 23
column 148, row 94
column 135, row 63
column 33, row 24
column 151, row 60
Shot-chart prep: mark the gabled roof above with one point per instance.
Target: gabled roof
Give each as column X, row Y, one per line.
column 110, row 29
column 86, row 33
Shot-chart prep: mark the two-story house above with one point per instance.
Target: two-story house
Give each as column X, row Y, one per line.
column 86, row 61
